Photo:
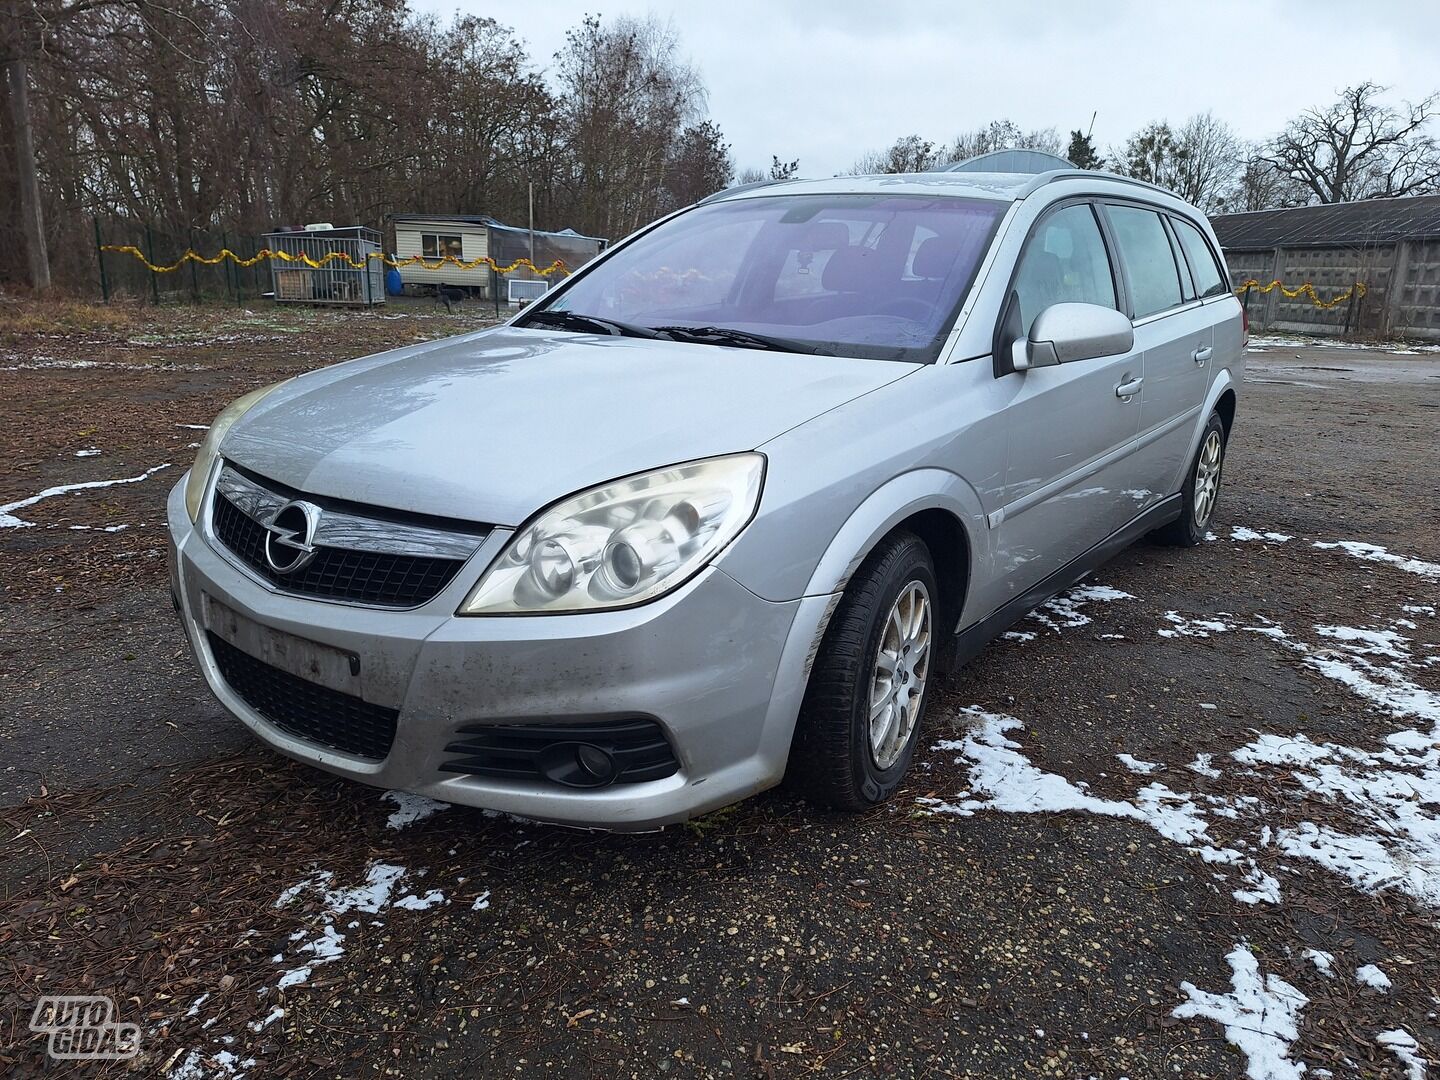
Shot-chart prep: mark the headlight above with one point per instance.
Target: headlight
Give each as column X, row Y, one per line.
column 210, row 446
column 623, row 543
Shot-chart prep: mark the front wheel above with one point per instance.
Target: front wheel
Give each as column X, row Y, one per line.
column 861, row 716
column 1202, row 489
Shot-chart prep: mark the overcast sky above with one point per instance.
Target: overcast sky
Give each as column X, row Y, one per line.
column 826, row 80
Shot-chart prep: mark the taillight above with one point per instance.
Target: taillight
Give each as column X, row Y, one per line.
column 1244, row 326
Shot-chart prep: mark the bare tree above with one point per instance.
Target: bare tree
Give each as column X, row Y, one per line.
column 1147, row 154
column 32, row 214
column 1000, row 135
column 1261, row 186
column 908, row 154
column 1360, row 148
column 23, row 25
column 627, row 97
column 1199, row 161
column 1207, row 161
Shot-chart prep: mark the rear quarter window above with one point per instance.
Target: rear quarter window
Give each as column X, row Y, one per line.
column 1209, row 281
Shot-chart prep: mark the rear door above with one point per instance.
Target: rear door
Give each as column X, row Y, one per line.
column 1212, row 286
column 1070, row 433
column 1174, row 330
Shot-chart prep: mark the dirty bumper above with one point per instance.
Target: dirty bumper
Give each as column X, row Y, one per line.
column 713, row 668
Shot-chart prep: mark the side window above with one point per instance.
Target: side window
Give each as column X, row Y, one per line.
column 1187, row 283
column 1209, row 281
column 1064, row 261
column 1145, row 249
column 434, row 246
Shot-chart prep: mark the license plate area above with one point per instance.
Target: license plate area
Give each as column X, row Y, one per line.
column 324, row 665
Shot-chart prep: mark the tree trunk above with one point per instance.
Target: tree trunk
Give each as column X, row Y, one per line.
column 32, row 217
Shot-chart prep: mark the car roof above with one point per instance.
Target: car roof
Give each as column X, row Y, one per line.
column 999, row 187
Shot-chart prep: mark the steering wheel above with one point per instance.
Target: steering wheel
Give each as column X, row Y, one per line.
column 906, row 307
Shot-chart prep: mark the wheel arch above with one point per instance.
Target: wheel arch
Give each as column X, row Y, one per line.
column 939, row 507
column 1223, row 399
column 1225, row 406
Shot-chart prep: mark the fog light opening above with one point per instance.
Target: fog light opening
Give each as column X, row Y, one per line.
column 578, row 764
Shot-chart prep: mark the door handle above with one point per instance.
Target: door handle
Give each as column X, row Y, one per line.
column 1128, row 389
column 1203, row 353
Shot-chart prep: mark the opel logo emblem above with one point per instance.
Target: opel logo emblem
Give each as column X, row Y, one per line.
column 290, row 537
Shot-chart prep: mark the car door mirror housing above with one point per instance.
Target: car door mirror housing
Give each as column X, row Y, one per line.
column 1065, row 332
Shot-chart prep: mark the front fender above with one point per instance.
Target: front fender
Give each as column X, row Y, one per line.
column 890, row 504
column 872, row 520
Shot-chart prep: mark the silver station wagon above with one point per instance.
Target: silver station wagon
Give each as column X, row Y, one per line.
column 723, row 504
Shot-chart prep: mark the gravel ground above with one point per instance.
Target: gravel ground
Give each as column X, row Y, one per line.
column 1160, row 829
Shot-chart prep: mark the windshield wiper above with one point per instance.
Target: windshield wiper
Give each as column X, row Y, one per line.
column 574, row 320
column 725, row 335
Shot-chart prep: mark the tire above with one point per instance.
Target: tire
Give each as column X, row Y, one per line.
column 1203, row 478
column 832, row 758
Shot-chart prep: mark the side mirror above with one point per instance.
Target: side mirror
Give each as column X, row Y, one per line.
column 1065, row 332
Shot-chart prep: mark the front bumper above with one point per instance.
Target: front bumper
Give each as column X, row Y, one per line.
column 720, row 669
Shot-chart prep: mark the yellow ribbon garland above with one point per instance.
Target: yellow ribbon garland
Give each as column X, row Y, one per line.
column 558, row 266
column 1306, row 289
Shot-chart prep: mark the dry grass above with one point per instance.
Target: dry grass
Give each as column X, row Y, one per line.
column 66, row 316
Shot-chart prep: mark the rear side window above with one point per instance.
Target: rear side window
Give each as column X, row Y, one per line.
column 1064, row 261
column 1209, row 281
column 1154, row 278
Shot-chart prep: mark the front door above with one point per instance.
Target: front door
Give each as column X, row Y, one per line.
column 1071, row 471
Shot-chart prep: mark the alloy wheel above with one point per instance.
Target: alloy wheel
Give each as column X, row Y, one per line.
column 1207, row 477
column 902, row 665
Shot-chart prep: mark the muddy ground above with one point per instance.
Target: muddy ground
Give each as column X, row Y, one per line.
column 1029, row 904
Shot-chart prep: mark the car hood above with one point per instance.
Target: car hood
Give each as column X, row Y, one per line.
column 491, row 427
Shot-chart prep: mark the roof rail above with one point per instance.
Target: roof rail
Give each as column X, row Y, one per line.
column 1056, row 175
column 727, row 192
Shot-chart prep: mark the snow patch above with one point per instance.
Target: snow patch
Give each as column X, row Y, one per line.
column 1376, row 553
column 373, row 895
column 1003, row 779
column 1260, row 1015
column 276, row 1013
column 1183, row 627
column 9, row 521
column 1202, row 765
column 1322, row 960
column 1371, row 976
column 1066, row 611
column 412, row 902
column 412, row 808
column 221, row 1064
column 1135, row 765
column 1403, row 1045
column 1242, row 534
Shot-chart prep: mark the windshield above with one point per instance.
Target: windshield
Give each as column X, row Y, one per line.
column 880, row 276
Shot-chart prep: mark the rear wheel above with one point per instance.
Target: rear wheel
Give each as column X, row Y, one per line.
column 861, row 716
column 1201, row 491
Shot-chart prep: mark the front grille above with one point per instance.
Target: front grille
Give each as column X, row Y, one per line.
column 365, row 577
column 514, row 752
column 305, row 709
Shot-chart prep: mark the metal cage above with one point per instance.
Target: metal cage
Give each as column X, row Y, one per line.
column 357, row 280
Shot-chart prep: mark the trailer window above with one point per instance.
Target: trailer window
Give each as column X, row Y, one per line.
column 438, row 245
